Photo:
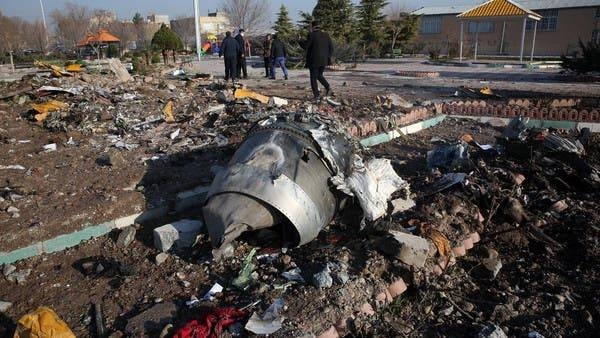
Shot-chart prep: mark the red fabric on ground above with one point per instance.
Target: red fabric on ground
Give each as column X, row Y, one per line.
column 212, row 323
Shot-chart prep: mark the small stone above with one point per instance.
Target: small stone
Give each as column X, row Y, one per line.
column 148, row 79
column 224, row 96
column 342, row 277
column 323, row 279
column 19, row 277
column 560, row 206
column 126, row 237
column 447, row 311
column 171, row 87
column 181, row 234
column 112, row 158
column 12, row 210
column 4, row 306
column 186, row 284
column 161, row 258
column 410, row 249
column 7, row 269
column 493, row 263
column 492, row 331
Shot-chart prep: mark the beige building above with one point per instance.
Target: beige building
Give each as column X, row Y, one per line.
column 159, row 19
column 562, row 24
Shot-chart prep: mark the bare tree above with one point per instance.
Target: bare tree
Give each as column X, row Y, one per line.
column 400, row 25
column 252, row 15
column 35, row 36
column 71, row 24
column 101, row 18
column 125, row 31
column 11, row 33
column 185, row 28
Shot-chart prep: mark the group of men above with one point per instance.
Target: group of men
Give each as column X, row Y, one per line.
column 319, row 50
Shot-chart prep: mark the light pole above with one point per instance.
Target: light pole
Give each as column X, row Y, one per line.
column 197, row 25
column 44, row 21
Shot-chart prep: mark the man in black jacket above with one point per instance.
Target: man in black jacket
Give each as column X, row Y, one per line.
column 278, row 56
column 230, row 48
column 241, row 62
column 319, row 50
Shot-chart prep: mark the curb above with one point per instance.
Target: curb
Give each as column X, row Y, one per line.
column 594, row 127
column 410, row 129
column 184, row 201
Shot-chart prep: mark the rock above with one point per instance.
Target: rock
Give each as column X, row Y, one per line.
column 4, row 306
column 560, row 206
column 491, row 331
column 323, row 279
column 182, row 234
column 12, row 210
column 409, row 249
column 112, row 158
column 148, row 79
column 492, row 263
column 152, row 320
column 161, row 258
column 171, row 87
column 126, row 237
column 225, row 96
column 515, row 211
column 7, row 269
column 119, row 70
column 19, row 277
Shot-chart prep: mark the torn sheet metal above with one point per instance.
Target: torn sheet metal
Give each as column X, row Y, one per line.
column 373, row 183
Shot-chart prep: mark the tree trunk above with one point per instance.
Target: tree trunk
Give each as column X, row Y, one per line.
column 174, row 57
column 164, row 54
column 147, row 54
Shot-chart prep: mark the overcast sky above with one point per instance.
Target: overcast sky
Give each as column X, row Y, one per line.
column 125, row 9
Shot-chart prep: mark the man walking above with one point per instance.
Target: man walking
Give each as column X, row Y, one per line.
column 319, row 50
column 241, row 61
column 230, row 49
column 267, row 55
column 278, row 55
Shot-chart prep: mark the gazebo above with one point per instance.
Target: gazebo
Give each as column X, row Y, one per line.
column 498, row 10
column 96, row 41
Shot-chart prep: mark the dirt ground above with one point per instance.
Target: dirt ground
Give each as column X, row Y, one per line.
column 548, row 286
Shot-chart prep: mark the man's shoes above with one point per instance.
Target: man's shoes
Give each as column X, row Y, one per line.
column 328, row 92
column 272, row 77
column 285, row 77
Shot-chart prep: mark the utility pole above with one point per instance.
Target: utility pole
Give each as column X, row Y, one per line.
column 44, row 21
column 197, row 24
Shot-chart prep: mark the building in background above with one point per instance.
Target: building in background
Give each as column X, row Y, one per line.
column 159, row 19
column 563, row 23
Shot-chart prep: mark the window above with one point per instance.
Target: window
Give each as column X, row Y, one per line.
column 431, row 24
column 598, row 12
column 484, row 27
column 548, row 22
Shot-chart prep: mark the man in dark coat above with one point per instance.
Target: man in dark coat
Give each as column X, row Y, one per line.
column 241, row 64
column 319, row 50
column 278, row 55
column 230, row 49
column 267, row 55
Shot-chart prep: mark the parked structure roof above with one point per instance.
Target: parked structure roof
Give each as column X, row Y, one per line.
column 498, row 8
column 531, row 4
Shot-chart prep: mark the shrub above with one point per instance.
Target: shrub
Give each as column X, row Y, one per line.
column 589, row 60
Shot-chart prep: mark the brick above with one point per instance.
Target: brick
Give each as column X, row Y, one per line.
column 459, row 250
column 574, row 115
column 397, row 288
column 181, row 234
column 468, row 243
column 330, row 333
column 410, row 249
column 584, row 115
